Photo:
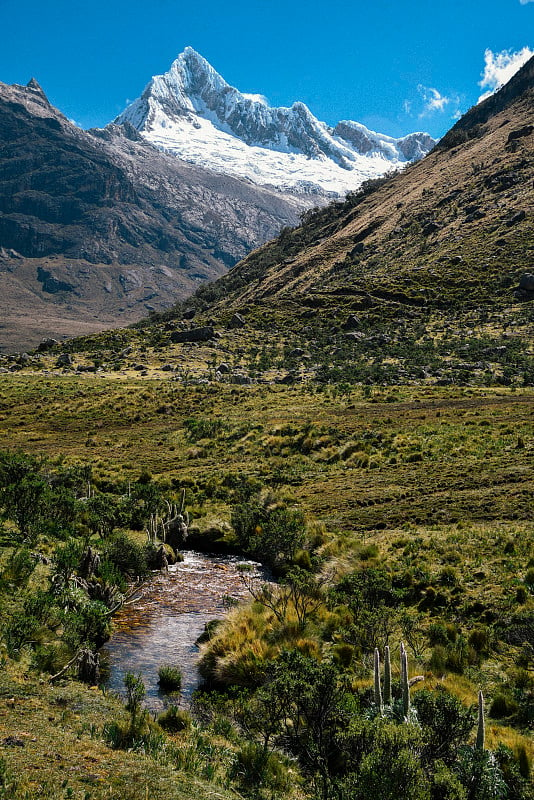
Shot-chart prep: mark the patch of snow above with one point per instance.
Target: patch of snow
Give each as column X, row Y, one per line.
column 192, row 112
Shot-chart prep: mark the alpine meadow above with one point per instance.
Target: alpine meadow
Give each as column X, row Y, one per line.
column 266, row 455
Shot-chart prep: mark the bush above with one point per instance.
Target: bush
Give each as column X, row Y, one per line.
column 19, row 567
column 268, row 530
column 479, row 640
column 19, row 631
column 502, row 706
column 255, row 767
column 529, row 578
column 169, row 678
column 445, row 722
column 125, row 555
column 174, row 719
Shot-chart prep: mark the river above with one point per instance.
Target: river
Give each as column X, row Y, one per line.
column 163, row 625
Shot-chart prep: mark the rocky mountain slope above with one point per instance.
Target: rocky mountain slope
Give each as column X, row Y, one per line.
column 425, row 275
column 192, row 112
column 99, row 227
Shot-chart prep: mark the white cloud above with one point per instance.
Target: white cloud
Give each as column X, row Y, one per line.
column 524, row 2
column 500, row 67
column 433, row 100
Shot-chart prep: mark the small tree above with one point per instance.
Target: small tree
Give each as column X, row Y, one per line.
column 135, row 694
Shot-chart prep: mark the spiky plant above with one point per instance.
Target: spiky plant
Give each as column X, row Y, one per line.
column 405, row 684
column 481, row 730
column 378, row 689
column 387, row 676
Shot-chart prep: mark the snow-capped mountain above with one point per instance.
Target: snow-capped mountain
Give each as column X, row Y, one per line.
column 192, row 112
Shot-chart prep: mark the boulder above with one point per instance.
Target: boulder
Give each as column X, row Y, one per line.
column 64, row 360
column 203, row 334
column 351, row 323
column 237, row 321
column 47, row 344
column 515, row 218
column 526, row 282
column 240, row 380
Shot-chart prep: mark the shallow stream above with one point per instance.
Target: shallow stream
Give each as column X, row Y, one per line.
column 163, row 625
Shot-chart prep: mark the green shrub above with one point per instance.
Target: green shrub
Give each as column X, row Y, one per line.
column 368, row 552
column 521, row 595
column 19, row 567
column 448, row 576
column 479, row 640
column 502, row 706
column 19, row 631
column 529, row 578
column 343, row 654
column 174, row 719
column 254, row 767
column 169, row 678
column 125, row 555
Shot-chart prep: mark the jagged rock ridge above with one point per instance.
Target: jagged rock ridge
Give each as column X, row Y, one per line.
column 191, row 111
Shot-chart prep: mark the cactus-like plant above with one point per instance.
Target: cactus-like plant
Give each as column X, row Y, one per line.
column 387, row 677
column 405, row 684
column 481, row 730
column 378, row 689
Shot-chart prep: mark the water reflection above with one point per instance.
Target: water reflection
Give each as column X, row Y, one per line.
column 162, row 627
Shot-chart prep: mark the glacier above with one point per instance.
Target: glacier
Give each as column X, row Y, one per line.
column 193, row 113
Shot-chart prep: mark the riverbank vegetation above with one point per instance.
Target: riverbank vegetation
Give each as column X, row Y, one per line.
column 389, row 514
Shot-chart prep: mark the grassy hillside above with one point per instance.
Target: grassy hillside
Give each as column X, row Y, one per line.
column 351, row 404
column 418, row 276
column 428, row 486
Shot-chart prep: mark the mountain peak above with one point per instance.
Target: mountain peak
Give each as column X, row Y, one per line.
column 35, row 86
column 194, row 113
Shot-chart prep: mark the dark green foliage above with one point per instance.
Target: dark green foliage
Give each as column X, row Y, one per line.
column 529, row 578
column 390, row 775
column 19, row 567
column 125, row 555
column 88, row 624
column 255, row 768
column 371, row 598
column 446, row 724
column 66, row 562
column 269, row 531
column 19, row 631
column 102, row 514
column 480, row 773
column 135, row 692
column 174, row 719
column 502, row 706
column 169, row 678
column 24, row 503
column 202, row 428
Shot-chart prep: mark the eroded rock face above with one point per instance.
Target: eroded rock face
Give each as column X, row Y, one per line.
column 113, row 222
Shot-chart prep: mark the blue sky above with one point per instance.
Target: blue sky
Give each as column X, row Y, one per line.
column 396, row 67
